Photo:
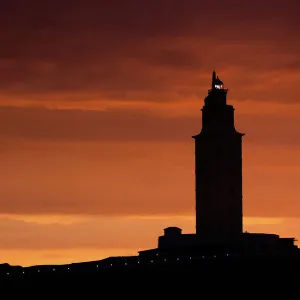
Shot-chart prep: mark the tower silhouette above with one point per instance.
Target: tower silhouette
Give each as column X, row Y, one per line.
column 219, row 217
column 218, row 168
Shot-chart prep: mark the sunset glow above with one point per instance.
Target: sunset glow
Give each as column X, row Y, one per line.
column 98, row 105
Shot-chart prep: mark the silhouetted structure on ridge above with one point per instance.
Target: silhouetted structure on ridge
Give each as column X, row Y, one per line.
column 219, row 217
column 218, row 178
column 218, row 161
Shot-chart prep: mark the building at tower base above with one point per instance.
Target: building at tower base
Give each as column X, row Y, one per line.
column 175, row 244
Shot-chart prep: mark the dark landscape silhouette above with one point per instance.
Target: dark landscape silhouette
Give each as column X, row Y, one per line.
column 219, row 241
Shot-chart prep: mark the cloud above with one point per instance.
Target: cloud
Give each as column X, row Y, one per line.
column 98, row 233
column 80, row 125
column 112, row 232
column 146, row 51
column 136, row 178
column 88, row 239
column 99, row 178
column 137, row 125
column 159, row 52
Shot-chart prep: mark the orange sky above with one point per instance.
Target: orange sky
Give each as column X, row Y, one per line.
column 98, row 103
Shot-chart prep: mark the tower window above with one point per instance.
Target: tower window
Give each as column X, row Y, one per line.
column 218, row 86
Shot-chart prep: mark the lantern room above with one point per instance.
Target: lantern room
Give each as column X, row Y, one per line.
column 217, row 83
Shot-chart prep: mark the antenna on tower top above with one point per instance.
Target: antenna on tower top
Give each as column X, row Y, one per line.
column 214, row 77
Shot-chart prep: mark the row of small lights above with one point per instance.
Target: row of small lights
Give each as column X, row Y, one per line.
column 152, row 261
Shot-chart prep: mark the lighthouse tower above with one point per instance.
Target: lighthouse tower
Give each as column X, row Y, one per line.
column 218, row 168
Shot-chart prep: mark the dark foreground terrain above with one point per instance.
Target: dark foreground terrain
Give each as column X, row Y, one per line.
column 158, row 275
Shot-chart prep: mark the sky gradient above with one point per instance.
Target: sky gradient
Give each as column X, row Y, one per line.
column 98, row 104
